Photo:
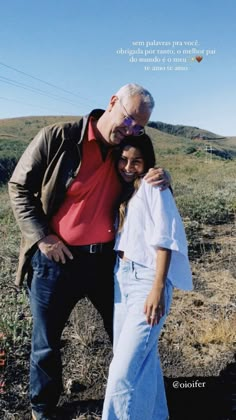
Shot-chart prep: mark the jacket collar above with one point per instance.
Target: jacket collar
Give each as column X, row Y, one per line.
column 95, row 113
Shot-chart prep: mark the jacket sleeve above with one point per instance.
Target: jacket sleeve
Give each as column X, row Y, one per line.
column 25, row 189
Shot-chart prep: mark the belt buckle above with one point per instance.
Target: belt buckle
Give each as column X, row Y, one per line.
column 93, row 248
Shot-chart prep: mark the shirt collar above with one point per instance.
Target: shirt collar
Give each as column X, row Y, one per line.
column 92, row 137
column 91, row 133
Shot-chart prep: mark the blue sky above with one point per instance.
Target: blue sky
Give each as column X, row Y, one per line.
column 84, row 48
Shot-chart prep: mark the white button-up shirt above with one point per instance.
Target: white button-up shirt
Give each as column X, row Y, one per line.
column 153, row 220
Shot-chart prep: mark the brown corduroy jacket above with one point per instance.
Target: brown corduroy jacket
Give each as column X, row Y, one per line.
column 39, row 182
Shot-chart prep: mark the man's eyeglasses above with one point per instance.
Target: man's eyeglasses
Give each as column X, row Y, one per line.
column 137, row 130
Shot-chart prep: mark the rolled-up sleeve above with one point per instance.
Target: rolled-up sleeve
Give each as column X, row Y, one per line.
column 168, row 232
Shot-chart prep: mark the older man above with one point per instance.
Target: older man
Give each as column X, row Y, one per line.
column 64, row 193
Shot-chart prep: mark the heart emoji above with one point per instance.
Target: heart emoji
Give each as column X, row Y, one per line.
column 199, row 58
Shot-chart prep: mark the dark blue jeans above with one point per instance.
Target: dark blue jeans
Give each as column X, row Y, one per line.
column 54, row 290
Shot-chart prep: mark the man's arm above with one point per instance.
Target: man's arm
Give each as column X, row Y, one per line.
column 159, row 177
column 25, row 194
column 25, row 190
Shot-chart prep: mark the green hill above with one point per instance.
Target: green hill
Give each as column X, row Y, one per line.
column 169, row 140
column 185, row 131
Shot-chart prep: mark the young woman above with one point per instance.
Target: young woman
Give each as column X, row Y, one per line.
column 151, row 259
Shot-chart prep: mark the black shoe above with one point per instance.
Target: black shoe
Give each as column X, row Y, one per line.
column 36, row 415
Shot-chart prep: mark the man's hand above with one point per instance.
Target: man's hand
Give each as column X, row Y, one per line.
column 159, row 177
column 54, row 248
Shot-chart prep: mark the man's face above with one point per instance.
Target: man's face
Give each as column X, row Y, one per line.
column 125, row 117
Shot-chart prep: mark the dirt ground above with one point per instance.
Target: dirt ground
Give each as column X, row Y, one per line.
column 197, row 346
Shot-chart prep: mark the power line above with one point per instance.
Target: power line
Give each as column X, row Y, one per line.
column 24, row 103
column 35, row 90
column 42, row 81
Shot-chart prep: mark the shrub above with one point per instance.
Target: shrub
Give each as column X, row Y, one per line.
column 190, row 149
column 207, row 208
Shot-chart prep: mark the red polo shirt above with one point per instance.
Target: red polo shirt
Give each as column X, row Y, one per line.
column 88, row 212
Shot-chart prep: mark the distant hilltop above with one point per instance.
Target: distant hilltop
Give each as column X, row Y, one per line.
column 16, row 133
column 21, row 126
column 185, row 131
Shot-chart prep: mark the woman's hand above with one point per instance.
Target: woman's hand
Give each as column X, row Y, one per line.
column 154, row 306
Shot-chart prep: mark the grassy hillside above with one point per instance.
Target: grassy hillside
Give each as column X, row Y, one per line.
column 20, row 128
column 16, row 133
column 219, row 145
column 190, row 162
column 184, row 130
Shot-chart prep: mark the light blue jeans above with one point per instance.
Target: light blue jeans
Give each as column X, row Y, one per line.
column 135, row 388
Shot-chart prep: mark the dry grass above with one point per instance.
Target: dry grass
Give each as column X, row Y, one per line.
column 200, row 329
column 217, row 332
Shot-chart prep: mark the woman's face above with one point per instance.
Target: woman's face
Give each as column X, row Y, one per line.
column 130, row 164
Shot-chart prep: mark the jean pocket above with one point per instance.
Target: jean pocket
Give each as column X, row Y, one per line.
column 40, row 261
column 34, row 258
column 143, row 273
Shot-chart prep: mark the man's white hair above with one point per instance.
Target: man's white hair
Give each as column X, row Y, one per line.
column 132, row 89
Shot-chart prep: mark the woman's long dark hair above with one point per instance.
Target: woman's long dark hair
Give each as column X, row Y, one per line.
column 145, row 146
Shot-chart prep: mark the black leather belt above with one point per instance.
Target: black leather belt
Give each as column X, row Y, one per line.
column 93, row 248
